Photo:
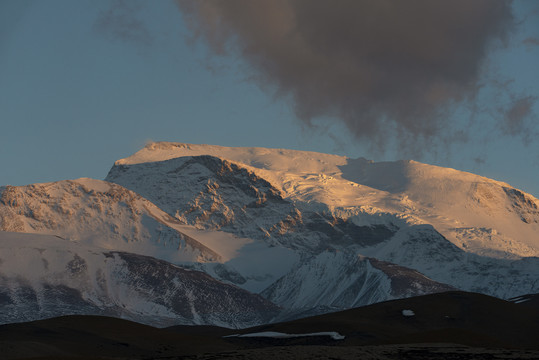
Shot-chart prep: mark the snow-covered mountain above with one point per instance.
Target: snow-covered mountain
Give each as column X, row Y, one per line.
column 475, row 213
column 309, row 232
column 458, row 228
column 106, row 216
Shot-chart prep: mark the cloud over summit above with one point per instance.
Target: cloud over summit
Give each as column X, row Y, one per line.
column 374, row 65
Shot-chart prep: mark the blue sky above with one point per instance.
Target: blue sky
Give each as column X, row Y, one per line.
column 75, row 97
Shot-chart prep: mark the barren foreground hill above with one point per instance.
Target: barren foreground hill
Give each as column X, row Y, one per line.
column 455, row 325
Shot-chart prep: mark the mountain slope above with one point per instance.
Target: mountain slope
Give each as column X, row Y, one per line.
column 422, row 248
column 44, row 276
column 101, row 214
column 335, row 280
column 108, row 216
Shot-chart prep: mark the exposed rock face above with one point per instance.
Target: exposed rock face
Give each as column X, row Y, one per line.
column 524, row 205
column 213, row 193
column 207, row 191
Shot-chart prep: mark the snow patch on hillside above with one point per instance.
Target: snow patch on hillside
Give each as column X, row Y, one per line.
column 278, row 335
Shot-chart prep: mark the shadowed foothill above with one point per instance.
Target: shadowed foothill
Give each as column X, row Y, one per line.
column 456, row 325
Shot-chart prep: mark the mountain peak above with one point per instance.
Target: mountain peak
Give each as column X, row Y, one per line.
column 466, row 208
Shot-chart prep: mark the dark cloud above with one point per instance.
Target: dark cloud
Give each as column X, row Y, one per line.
column 120, row 21
column 389, row 70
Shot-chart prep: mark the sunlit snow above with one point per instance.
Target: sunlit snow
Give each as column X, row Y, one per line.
column 278, row 335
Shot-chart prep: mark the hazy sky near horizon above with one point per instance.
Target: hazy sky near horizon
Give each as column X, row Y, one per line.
column 84, row 83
